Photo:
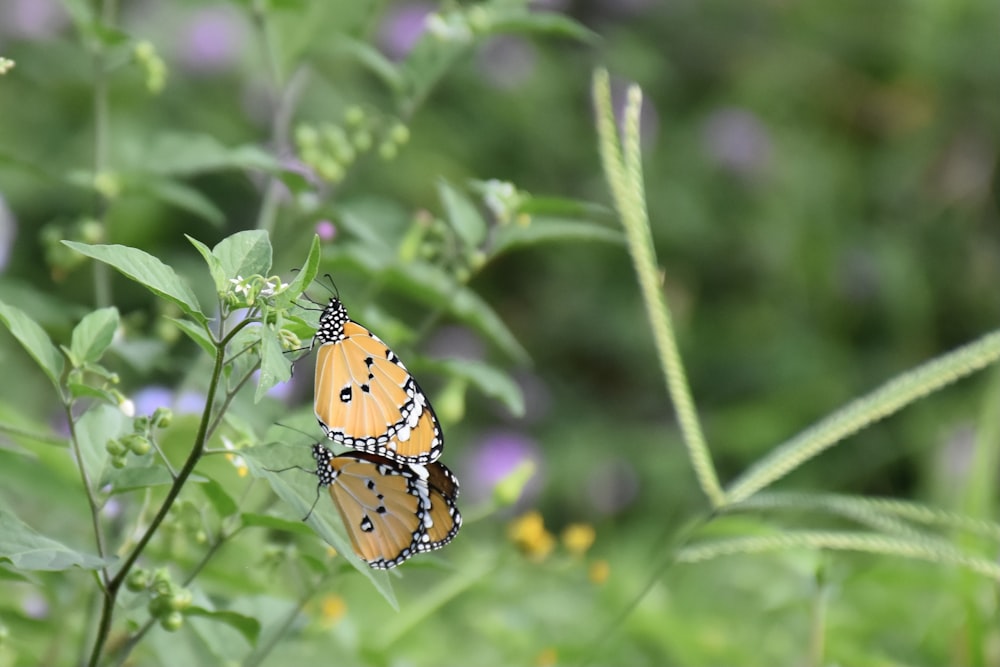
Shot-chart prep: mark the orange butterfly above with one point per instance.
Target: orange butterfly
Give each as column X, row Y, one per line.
column 390, row 510
column 364, row 396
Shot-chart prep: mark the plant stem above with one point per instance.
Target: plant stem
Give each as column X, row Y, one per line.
column 114, row 586
column 95, row 512
column 622, row 162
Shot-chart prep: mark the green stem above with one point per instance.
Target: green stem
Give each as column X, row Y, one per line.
column 95, row 511
column 114, row 586
column 623, row 171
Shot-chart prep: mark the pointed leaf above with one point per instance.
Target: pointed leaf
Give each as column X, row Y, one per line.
column 275, row 367
column 219, row 497
column 244, row 254
column 549, row 230
column 35, row 341
column 185, row 154
column 26, row 549
column 93, row 430
column 298, row 489
column 146, row 270
column 197, row 333
column 488, row 379
column 433, row 286
column 179, row 195
column 463, row 215
column 275, row 523
column 93, row 335
column 134, row 477
column 245, row 625
column 219, row 276
column 303, row 277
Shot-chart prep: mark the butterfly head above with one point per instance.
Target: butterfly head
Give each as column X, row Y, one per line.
column 332, row 321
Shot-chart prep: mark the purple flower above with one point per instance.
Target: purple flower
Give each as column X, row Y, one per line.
column 215, row 39
column 326, row 230
column 149, row 398
column 737, row 142
column 507, row 61
column 402, row 27
column 35, row 606
column 494, row 457
column 32, row 19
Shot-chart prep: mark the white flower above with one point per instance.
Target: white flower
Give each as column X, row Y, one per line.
column 127, row 406
column 240, row 286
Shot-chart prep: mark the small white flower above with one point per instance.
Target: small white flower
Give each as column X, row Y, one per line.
column 6, row 65
column 235, row 459
column 127, row 406
column 240, row 286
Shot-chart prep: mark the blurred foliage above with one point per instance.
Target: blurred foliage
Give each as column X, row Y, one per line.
column 821, row 181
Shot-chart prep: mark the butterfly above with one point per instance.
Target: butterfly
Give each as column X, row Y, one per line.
column 391, row 510
column 365, row 398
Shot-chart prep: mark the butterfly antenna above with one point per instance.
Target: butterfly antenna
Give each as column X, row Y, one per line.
column 333, row 286
column 293, row 428
column 313, row 506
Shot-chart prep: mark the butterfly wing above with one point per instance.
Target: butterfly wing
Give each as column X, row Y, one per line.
column 442, row 519
column 382, row 504
column 364, row 396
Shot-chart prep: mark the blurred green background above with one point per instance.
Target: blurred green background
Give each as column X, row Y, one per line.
column 822, row 187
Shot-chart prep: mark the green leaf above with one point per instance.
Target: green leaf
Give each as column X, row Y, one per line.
column 518, row 19
column 178, row 194
column 197, row 333
column 488, row 379
column 372, row 59
column 463, row 215
column 221, row 500
column 246, row 626
column 79, row 390
column 93, row 335
column 219, row 276
column 251, row 520
column 186, row 154
column 134, row 477
column 146, row 270
column 26, row 549
column 431, row 285
column 298, row 489
column 244, row 254
column 35, row 341
column 303, row 277
column 548, row 230
column 275, row 367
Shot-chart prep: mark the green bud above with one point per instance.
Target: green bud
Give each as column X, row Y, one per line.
column 138, row 580
column 138, row 444
column 119, row 461
column 158, row 606
column 399, row 133
column 172, row 621
column 181, row 600
column 508, row 490
column 116, row 448
column 354, row 115
column 162, row 417
column 306, row 136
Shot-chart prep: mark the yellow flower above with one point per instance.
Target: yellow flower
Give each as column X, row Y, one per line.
column 547, row 658
column 599, row 571
column 529, row 534
column 578, row 537
column 332, row 609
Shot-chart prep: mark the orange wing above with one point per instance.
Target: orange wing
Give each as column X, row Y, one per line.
column 442, row 519
column 380, row 502
column 364, row 396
